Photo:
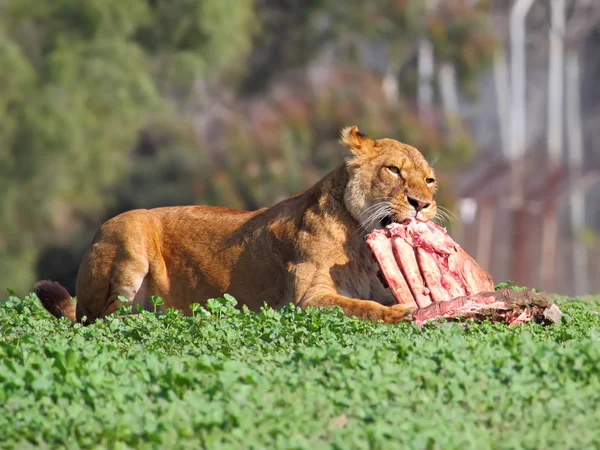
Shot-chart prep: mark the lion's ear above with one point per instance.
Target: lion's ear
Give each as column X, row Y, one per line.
column 359, row 144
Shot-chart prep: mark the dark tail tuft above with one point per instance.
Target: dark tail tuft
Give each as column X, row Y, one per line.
column 56, row 299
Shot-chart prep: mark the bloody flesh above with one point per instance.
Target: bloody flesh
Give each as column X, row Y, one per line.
column 508, row 306
column 381, row 246
column 404, row 256
column 412, row 252
column 424, row 267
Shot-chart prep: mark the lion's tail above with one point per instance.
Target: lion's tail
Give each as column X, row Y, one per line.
column 56, row 299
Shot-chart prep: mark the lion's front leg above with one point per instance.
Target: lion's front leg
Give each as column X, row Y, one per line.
column 320, row 297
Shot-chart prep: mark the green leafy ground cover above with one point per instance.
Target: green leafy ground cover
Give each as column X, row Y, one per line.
column 292, row 379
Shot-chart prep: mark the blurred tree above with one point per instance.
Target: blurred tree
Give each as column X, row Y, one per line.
column 85, row 77
column 111, row 105
column 282, row 139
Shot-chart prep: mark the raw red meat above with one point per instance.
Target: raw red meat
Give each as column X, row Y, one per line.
column 508, row 306
column 405, row 258
column 424, row 267
column 381, row 246
column 415, row 251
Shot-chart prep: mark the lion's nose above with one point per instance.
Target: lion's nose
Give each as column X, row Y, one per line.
column 417, row 204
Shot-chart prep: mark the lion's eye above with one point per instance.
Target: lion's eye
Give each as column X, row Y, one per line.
column 394, row 169
column 429, row 180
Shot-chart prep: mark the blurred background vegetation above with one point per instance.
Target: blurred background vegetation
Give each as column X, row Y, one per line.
column 111, row 105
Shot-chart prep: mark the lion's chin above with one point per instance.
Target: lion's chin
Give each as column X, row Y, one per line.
column 423, row 218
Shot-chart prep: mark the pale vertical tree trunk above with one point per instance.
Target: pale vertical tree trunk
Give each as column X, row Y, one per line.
column 487, row 217
column 485, row 235
column 426, row 67
column 518, row 135
column 502, row 86
column 448, row 91
column 518, row 80
column 390, row 86
column 554, row 139
column 556, row 83
column 575, row 159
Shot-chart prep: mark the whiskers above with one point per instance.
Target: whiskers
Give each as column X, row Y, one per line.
column 374, row 214
column 433, row 161
column 444, row 215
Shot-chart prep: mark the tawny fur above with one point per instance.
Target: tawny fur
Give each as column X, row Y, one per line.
column 308, row 250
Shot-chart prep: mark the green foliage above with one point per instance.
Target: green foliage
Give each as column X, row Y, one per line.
column 197, row 38
column 511, row 285
column 228, row 378
column 110, row 106
column 459, row 30
column 85, row 78
column 461, row 33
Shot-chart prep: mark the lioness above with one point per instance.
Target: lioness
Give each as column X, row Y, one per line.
column 308, row 250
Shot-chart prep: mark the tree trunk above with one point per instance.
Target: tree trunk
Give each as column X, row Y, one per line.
column 556, row 83
column 517, row 133
column 575, row 159
column 448, row 91
column 426, row 68
column 485, row 235
column 501, row 83
column 518, row 80
column 554, row 139
column 390, row 86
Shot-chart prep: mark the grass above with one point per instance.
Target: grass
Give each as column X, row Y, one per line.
column 294, row 380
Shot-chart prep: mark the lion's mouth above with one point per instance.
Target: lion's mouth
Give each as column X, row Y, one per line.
column 387, row 220
column 390, row 219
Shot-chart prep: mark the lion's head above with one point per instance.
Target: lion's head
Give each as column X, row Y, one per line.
column 389, row 181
